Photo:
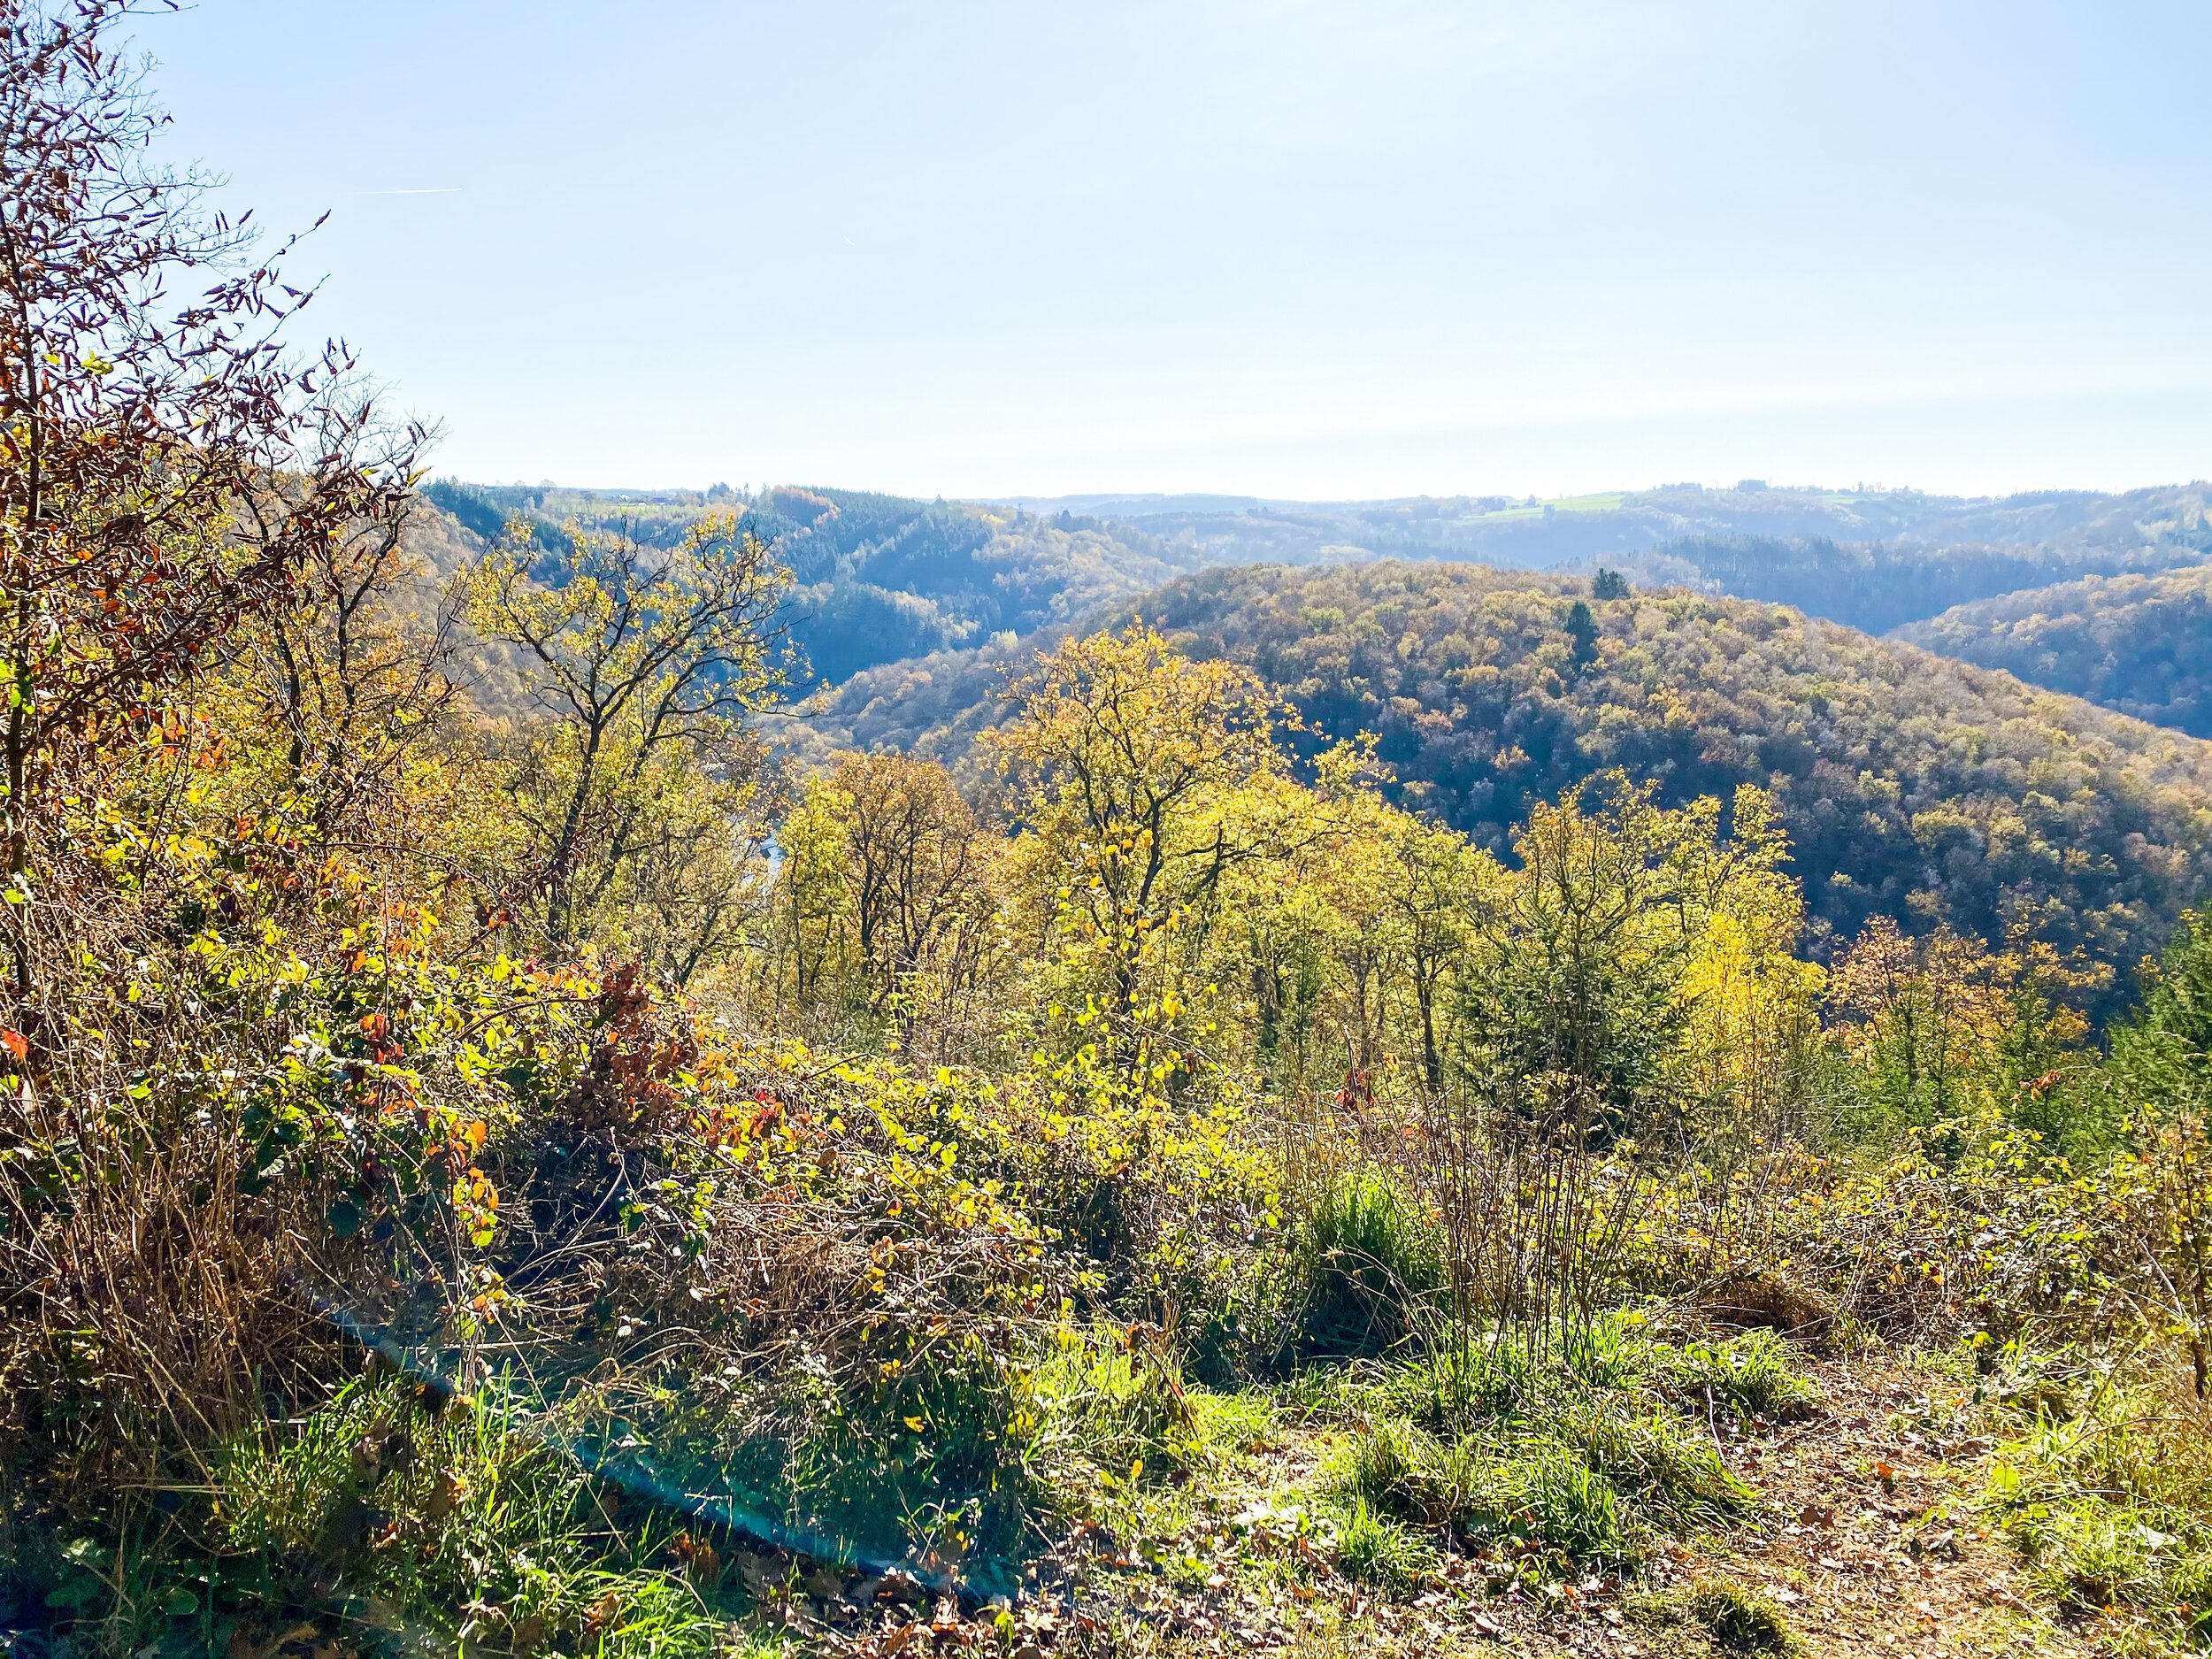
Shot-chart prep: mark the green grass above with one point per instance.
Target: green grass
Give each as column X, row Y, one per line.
column 1375, row 1549
column 1754, row 1374
column 449, row 1521
column 1739, row 1621
column 2106, row 1491
column 1402, row 1471
column 1583, row 1462
column 376, row 1512
column 1669, row 1467
column 1530, row 1492
column 1542, row 1494
column 1372, row 1264
column 1101, row 1406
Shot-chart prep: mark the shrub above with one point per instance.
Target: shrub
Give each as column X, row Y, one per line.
column 1163, row 1209
column 1766, row 1298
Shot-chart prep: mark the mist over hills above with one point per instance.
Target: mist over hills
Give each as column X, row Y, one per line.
column 2067, row 526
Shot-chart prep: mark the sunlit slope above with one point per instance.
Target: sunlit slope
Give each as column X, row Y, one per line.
column 1911, row 784
column 2142, row 644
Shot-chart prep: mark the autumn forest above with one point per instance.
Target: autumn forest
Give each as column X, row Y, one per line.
column 796, row 1070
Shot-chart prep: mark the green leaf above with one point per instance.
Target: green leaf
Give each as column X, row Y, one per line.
column 75, row 1593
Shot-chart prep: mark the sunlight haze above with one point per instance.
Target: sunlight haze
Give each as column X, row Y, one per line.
column 1290, row 249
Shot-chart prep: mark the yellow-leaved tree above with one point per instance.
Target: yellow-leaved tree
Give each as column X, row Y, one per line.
column 1753, row 1007
column 635, row 794
column 1142, row 780
column 888, row 900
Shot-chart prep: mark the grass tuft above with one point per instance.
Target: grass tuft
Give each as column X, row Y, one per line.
column 1373, row 1263
column 1375, row 1549
column 1670, row 1468
column 1754, row 1374
column 1740, row 1620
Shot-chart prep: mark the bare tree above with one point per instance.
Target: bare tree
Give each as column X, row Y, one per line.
column 356, row 662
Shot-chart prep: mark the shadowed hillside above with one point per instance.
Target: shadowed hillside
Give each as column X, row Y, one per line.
column 1877, row 586
column 874, row 578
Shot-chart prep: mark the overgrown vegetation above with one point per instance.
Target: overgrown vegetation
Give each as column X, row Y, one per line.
column 559, row 1181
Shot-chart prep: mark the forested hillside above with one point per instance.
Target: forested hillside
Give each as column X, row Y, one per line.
column 878, row 579
column 1897, row 530
column 1911, row 787
column 2142, row 644
column 874, row 578
column 1879, row 585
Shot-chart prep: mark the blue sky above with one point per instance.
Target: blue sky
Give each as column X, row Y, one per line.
column 1365, row 248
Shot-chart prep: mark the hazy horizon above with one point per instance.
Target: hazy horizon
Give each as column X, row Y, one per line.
column 1274, row 248
column 1036, row 498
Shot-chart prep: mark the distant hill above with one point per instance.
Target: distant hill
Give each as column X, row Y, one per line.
column 877, row 578
column 1911, row 785
column 2067, row 529
column 883, row 578
column 1878, row 586
column 2142, row 644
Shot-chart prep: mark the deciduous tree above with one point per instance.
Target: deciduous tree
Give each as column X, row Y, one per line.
column 644, row 663
column 134, row 421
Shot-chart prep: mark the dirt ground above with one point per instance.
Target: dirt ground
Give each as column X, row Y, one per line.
column 1866, row 1537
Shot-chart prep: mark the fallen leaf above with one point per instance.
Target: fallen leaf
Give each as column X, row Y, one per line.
column 603, row 1613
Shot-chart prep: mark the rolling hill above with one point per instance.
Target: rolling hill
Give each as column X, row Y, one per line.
column 883, row 578
column 876, row 578
column 1876, row 587
column 1877, row 557
column 2142, row 644
column 1911, row 785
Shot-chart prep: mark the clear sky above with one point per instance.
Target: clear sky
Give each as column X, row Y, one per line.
column 1372, row 248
